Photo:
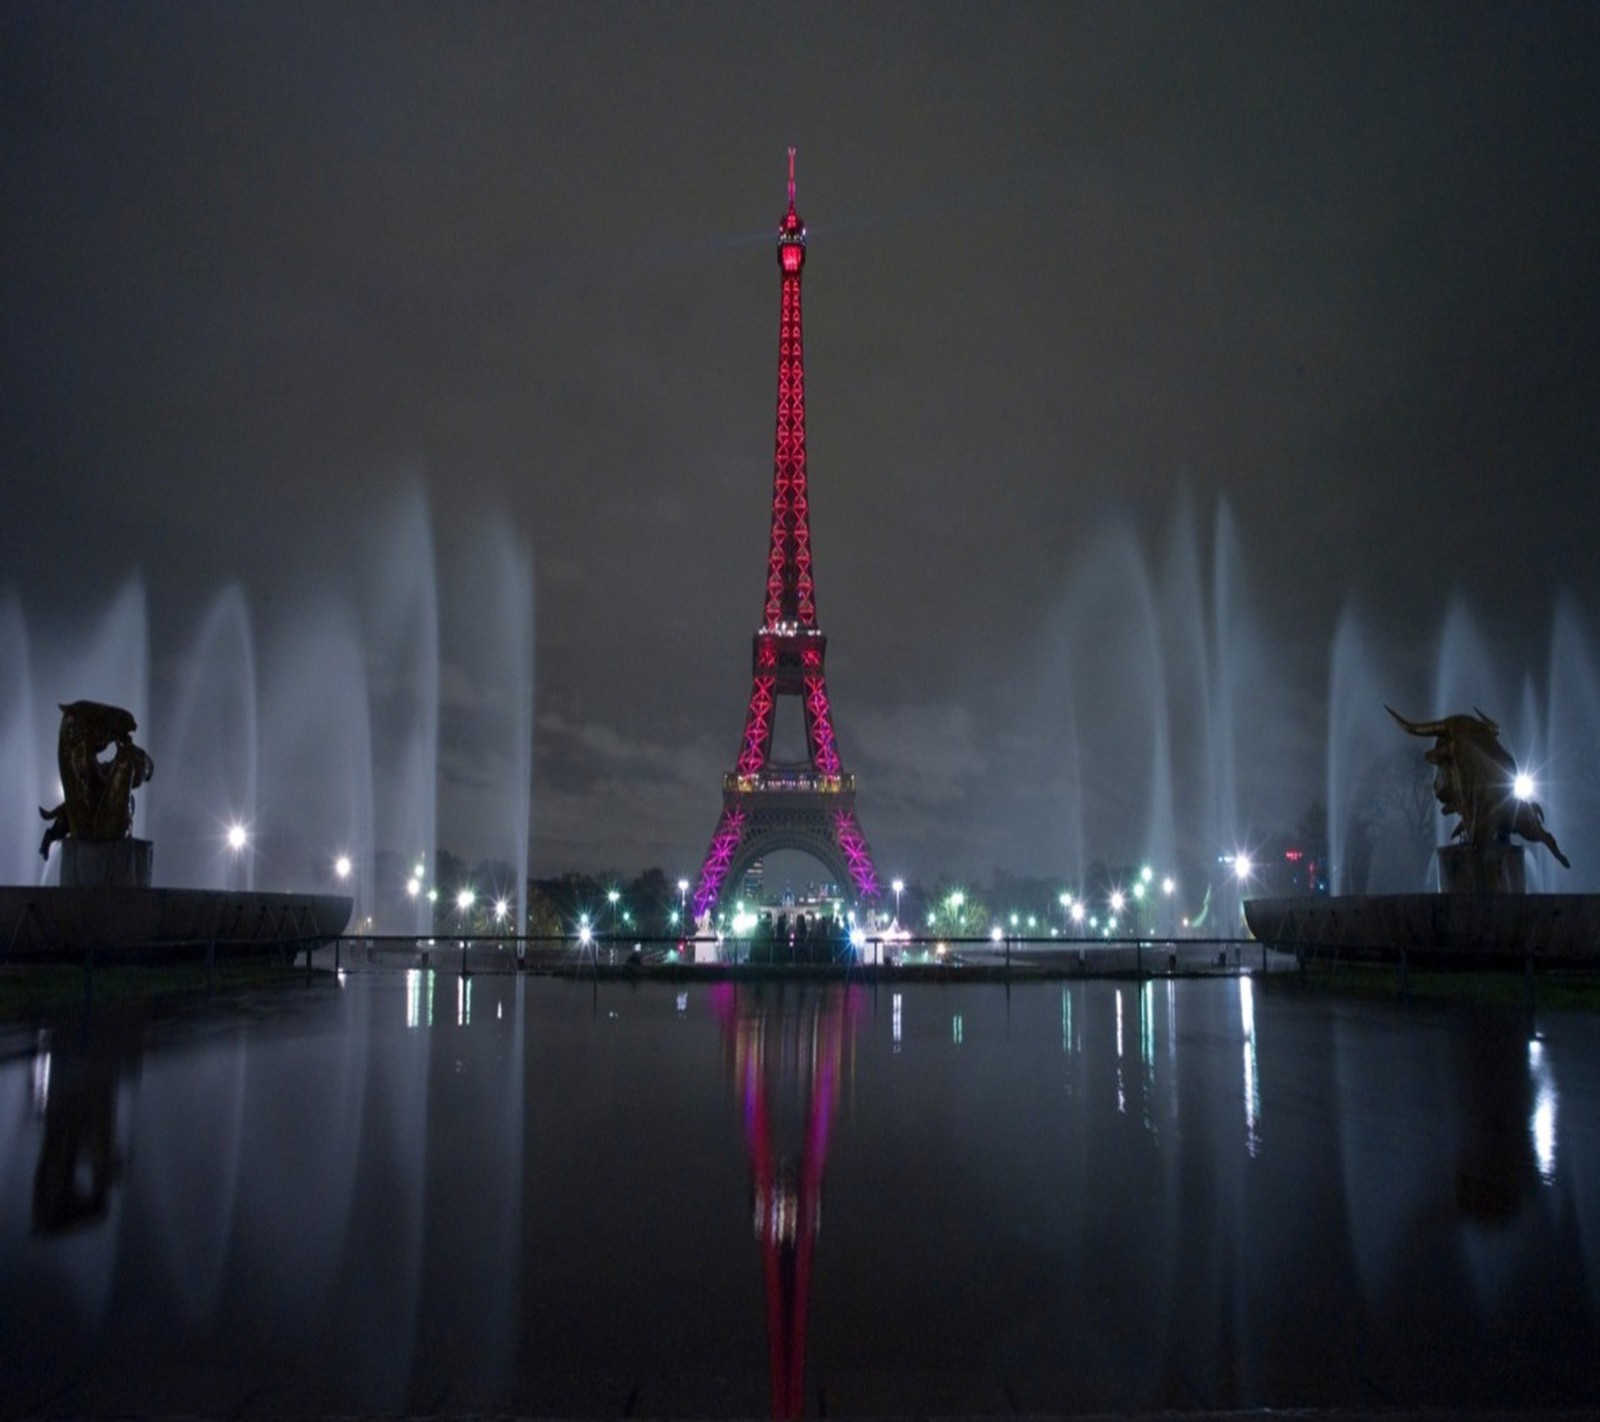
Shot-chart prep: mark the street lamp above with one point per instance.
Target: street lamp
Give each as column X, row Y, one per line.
column 1243, row 868
column 341, row 866
column 238, row 841
column 899, row 887
column 683, row 900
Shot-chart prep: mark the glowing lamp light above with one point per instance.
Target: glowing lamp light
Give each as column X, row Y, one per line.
column 1522, row 786
column 899, row 886
column 1077, row 912
column 1242, row 867
column 1117, row 901
column 501, row 909
column 238, row 837
column 995, row 935
column 1167, row 886
column 413, row 886
column 465, row 899
column 341, row 866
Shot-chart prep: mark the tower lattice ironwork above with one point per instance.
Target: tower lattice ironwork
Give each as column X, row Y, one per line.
column 809, row 806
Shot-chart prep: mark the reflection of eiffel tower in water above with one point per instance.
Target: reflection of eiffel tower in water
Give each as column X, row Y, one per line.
column 785, row 1052
column 766, row 806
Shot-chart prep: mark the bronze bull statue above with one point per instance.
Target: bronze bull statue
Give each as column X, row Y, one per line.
column 1474, row 776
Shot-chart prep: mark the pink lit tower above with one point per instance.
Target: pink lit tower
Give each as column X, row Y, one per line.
column 808, row 806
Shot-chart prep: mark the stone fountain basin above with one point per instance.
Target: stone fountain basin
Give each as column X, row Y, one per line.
column 44, row 922
column 1469, row 929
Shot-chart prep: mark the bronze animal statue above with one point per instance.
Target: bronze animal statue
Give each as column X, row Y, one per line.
column 1474, row 776
column 98, row 801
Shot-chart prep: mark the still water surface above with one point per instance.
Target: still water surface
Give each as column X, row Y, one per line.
column 410, row 1192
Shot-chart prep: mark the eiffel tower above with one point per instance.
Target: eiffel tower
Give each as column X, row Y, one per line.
column 766, row 806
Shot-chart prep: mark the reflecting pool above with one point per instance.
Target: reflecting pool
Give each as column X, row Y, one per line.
column 417, row 1192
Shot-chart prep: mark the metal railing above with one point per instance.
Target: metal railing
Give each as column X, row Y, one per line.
column 1043, row 957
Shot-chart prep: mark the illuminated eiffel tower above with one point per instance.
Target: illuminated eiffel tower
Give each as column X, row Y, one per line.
column 809, row 806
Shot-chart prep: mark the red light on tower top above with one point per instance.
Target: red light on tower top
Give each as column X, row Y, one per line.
column 791, row 232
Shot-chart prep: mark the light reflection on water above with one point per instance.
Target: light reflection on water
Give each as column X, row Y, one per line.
column 1252, row 1083
column 566, row 1196
column 1542, row 1125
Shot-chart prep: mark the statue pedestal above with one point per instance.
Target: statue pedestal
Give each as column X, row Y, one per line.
column 1494, row 869
column 106, row 863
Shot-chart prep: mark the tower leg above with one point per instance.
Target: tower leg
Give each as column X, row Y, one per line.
column 725, row 841
column 853, row 845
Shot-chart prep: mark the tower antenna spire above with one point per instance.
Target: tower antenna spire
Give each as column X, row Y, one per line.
column 791, row 177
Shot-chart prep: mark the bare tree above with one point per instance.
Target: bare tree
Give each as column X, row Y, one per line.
column 1394, row 826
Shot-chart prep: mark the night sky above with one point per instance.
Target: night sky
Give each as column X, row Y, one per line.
column 1084, row 284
